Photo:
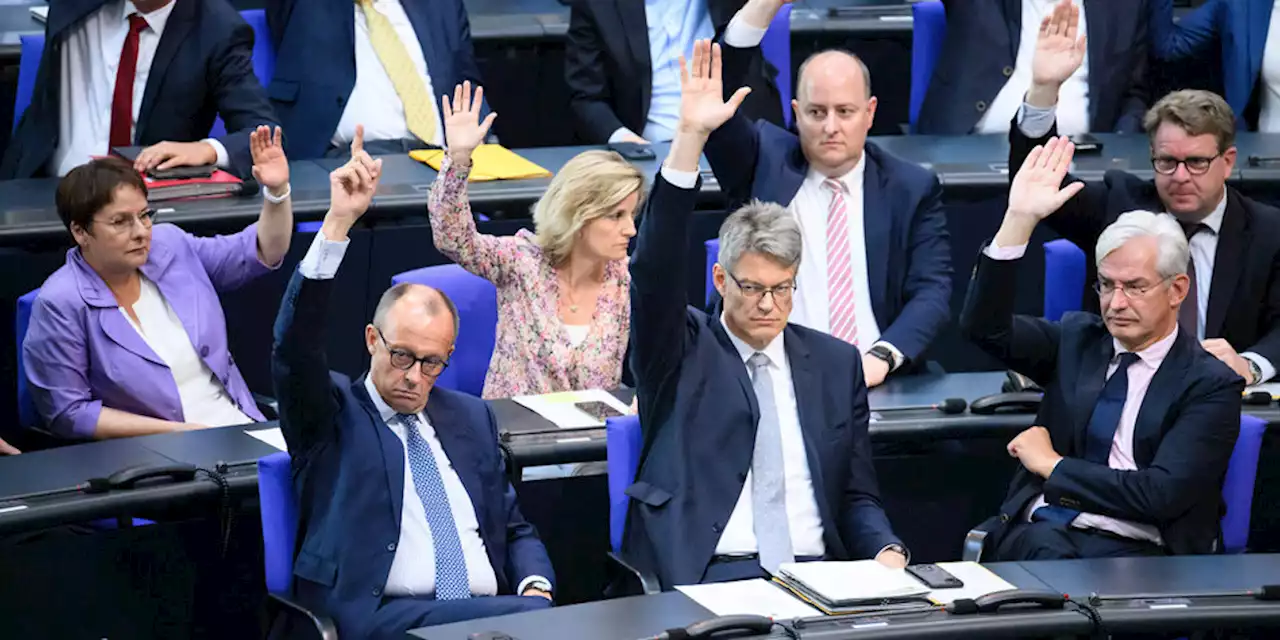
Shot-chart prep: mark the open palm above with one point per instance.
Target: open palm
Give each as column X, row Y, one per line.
column 1037, row 189
column 702, row 103
column 463, row 130
column 1059, row 51
column 270, row 166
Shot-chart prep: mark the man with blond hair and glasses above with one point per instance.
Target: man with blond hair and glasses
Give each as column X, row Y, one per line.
column 1233, row 305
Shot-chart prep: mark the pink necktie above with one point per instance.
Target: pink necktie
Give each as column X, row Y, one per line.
column 844, row 323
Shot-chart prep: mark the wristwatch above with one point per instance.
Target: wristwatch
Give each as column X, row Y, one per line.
column 882, row 352
column 1255, row 372
column 540, row 585
column 899, row 548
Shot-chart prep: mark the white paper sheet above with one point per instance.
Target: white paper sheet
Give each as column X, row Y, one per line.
column 559, row 409
column 41, row 14
column 978, row 581
column 853, row 580
column 748, row 597
column 272, row 437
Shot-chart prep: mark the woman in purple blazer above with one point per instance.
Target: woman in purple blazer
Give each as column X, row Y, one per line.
column 128, row 337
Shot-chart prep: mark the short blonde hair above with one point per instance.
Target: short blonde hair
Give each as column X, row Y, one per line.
column 589, row 186
column 1196, row 112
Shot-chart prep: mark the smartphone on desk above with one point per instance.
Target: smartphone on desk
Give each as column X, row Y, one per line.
column 598, row 410
column 633, row 151
column 1086, row 143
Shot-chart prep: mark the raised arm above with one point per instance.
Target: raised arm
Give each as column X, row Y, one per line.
column 299, row 364
column 271, row 170
column 453, row 228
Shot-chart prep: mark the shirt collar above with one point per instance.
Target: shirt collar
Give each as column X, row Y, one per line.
column 1214, row 219
column 155, row 20
column 1154, row 354
column 384, row 410
column 775, row 350
column 852, row 180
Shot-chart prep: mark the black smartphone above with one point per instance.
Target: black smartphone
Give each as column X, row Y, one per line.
column 598, row 410
column 934, row 577
column 633, row 150
column 1086, row 143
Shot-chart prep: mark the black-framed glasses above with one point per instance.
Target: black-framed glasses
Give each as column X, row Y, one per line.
column 780, row 292
column 1196, row 165
column 1132, row 291
column 403, row 360
column 122, row 223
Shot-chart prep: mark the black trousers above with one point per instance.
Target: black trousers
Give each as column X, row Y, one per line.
column 1051, row 541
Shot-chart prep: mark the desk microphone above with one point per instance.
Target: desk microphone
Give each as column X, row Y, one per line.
column 948, row 406
column 1270, row 592
column 1258, row 398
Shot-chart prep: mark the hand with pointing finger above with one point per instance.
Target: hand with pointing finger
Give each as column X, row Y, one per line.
column 352, row 185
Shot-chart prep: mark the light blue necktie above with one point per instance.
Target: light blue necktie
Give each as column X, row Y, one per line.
column 768, row 486
column 451, row 566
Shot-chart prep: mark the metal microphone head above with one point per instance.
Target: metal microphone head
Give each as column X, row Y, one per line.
column 953, row 405
column 1261, row 398
column 249, row 187
column 1268, row 592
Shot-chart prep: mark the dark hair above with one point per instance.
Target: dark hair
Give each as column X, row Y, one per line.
column 391, row 296
column 90, row 187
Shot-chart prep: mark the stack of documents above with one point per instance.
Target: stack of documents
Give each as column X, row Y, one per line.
column 488, row 162
column 575, row 409
column 841, row 587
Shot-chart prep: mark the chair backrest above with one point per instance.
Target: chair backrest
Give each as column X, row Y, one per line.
column 776, row 48
column 1064, row 270
column 279, row 507
column 713, row 255
column 1237, row 487
column 27, row 416
column 264, row 57
column 622, row 445
column 928, row 31
column 477, row 303
column 32, row 48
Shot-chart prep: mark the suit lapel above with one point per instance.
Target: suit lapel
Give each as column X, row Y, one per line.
column 460, row 446
column 1100, row 22
column 635, row 28
column 788, row 176
column 426, row 25
column 1166, row 384
column 391, row 447
column 807, row 385
column 739, row 373
column 175, row 33
column 877, row 229
column 1233, row 243
column 1093, row 375
column 1259, row 19
column 1013, row 25
column 180, row 298
column 111, row 319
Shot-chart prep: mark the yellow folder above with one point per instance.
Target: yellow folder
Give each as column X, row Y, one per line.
column 488, row 162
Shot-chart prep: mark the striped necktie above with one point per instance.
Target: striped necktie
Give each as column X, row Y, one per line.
column 419, row 106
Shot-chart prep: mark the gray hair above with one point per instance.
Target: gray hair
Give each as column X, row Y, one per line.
column 1172, row 253
column 866, row 72
column 433, row 304
column 760, row 227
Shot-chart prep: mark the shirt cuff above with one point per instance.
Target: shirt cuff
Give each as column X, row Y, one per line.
column 622, row 132
column 906, row 553
column 323, row 258
column 741, row 35
column 898, row 358
column 524, row 584
column 1035, row 122
column 997, row 252
column 223, row 160
column 1268, row 370
column 681, row 179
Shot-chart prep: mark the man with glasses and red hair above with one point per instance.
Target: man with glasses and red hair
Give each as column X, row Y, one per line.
column 1233, row 306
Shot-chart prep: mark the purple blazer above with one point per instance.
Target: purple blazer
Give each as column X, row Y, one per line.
column 81, row 354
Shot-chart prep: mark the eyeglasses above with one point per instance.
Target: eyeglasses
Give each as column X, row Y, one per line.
column 403, row 360
column 1131, row 291
column 1195, row 165
column 122, row 223
column 752, row 291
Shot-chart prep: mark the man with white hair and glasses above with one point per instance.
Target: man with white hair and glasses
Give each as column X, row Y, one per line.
column 1138, row 422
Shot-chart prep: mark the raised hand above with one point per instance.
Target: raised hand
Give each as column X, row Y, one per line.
column 270, row 166
column 1059, row 48
column 702, row 105
column 463, row 130
column 352, row 185
column 1037, row 189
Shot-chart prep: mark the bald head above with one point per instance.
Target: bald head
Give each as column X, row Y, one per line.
column 834, row 111
column 414, row 304
column 834, row 68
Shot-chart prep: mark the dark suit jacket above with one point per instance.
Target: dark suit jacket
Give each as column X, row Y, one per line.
column 1244, row 297
column 610, row 74
column 203, row 68
column 982, row 45
column 1185, row 431
column 698, row 412
column 908, row 247
column 316, row 64
column 349, row 476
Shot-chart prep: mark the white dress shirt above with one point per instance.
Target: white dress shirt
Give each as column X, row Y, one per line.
column 413, row 570
column 1073, row 97
column 374, row 101
column 88, row 64
column 204, row 399
column 673, row 27
column 1269, row 117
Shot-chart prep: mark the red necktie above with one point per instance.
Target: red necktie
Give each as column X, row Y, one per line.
column 122, row 99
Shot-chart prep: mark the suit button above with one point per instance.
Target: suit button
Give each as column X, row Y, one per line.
column 204, row 351
column 391, row 547
column 716, row 527
column 340, row 100
column 980, row 106
column 377, row 591
column 742, row 476
column 1007, row 71
column 1004, row 517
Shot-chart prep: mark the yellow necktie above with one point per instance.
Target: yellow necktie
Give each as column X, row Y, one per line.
column 419, row 107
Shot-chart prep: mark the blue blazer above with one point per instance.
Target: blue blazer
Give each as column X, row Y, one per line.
column 908, row 247
column 698, row 413
column 203, row 68
column 1183, row 439
column 348, row 471
column 981, row 48
column 316, row 63
column 1240, row 29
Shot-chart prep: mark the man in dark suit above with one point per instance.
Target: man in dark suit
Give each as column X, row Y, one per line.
column 877, row 267
column 986, row 65
column 407, row 518
column 1235, row 242
column 381, row 63
column 620, row 65
column 172, row 67
column 1139, row 422
column 756, row 450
